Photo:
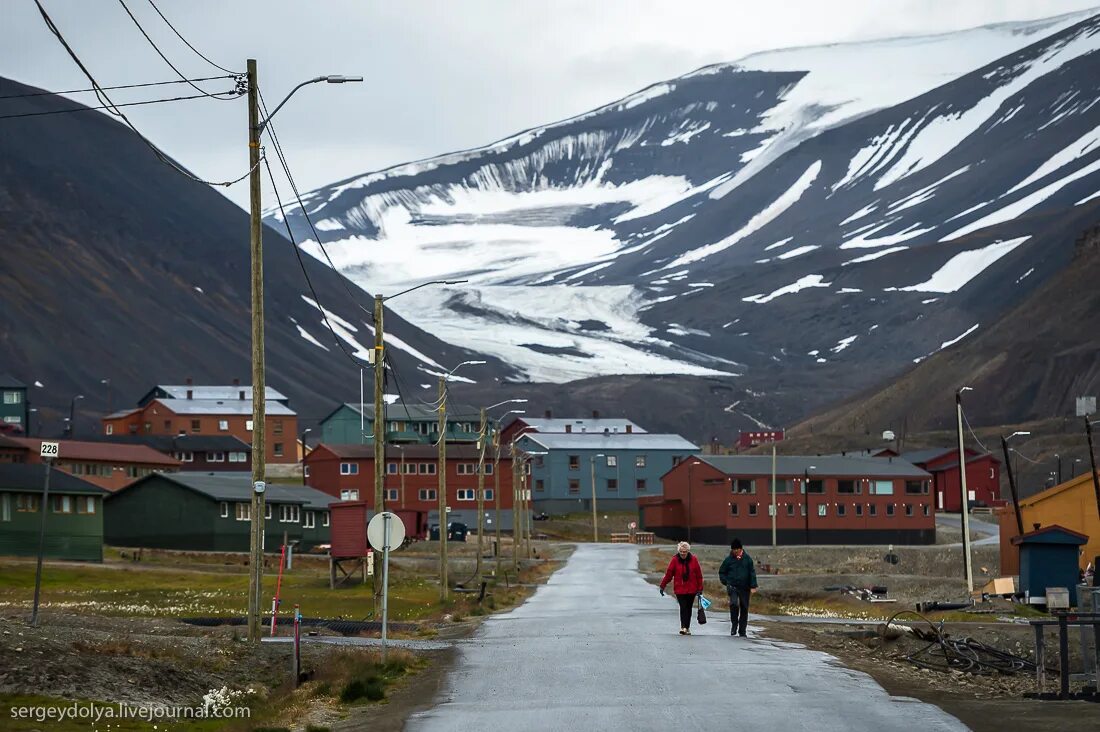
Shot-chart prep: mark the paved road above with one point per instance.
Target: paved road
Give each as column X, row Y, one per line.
column 982, row 532
column 597, row 648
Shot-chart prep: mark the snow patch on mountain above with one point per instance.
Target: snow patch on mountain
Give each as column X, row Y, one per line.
column 965, row 266
column 813, row 280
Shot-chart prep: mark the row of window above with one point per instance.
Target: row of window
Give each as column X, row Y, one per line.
column 611, row 484
column 841, row 509
column 188, row 456
column 30, row 503
column 817, row 486
column 424, row 494
column 288, row 514
column 13, row 397
column 417, row 468
column 428, row 428
column 612, row 461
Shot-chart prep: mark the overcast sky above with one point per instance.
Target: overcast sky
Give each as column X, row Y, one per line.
column 440, row 75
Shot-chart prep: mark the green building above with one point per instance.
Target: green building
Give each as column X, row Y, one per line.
column 74, row 522
column 350, row 425
column 14, row 410
column 212, row 512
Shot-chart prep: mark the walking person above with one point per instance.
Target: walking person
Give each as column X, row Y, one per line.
column 738, row 574
column 687, row 582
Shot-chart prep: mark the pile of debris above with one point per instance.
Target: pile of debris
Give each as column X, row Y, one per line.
column 874, row 593
column 949, row 654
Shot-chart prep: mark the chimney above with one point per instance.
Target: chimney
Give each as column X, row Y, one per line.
column 595, row 414
column 189, row 382
column 241, row 394
column 549, row 414
column 236, row 382
column 629, row 428
column 568, row 428
column 190, row 394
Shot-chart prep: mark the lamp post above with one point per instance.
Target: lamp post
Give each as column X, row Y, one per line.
column 256, row 127
column 496, row 481
column 964, row 507
column 481, row 445
column 302, row 442
column 31, row 411
column 70, row 430
column 1012, row 481
column 442, row 444
column 107, row 382
column 595, row 524
column 806, row 499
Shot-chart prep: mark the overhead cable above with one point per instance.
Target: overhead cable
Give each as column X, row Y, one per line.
column 188, row 44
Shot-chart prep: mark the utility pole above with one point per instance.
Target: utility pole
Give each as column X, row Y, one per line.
column 44, row 508
column 480, row 493
column 595, row 525
column 379, row 431
column 806, row 502
column 259, row 387
column 516, row 532
column 1012, row 487
column 1092, row 461
column 402, row 475
column 774, row 507
column 443, row 488
column 965, row 496
column 496, row 495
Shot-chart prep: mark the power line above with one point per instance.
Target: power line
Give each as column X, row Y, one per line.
column 113, row 106
column 167, row 61
column 1025, row 457
column 188, row 44
column 110, row 106
column 984, row 448
column 106, row 88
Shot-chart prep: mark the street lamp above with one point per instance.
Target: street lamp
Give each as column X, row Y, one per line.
column 302, row 442
column 496, row 478
column 107, row 382
column 481, row 440
column 69, row 430
column 1012, row 472
column 806, row 499
column 256, row 127
column 595, row 525
column 964, row 506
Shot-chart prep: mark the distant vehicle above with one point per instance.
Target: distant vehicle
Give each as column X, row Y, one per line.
column 541, row 517
column 10, row 429
column 455, row 532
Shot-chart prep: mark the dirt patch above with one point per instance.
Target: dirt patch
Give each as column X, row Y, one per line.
column 984, row 703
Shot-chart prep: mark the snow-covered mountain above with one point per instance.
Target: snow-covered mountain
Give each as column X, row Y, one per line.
column 811, row 216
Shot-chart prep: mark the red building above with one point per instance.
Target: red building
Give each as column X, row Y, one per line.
column 745, row 440
column 818, row 500
column 983, row 476
column 199, row 453
column 411, row 480
column 109, row 465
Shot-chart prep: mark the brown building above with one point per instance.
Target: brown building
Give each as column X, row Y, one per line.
column 199, row 453
column 819, row 500
column 1071, row 505
column 210, row 411
column 108, row 465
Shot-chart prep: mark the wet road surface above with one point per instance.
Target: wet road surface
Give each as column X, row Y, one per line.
column 597, row 648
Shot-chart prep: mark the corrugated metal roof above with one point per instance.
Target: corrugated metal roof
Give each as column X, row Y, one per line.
column 817, row 465
column 115, row 452
column 612, row 441
column 9, row 380
column 216, row 392
column 236, row 487
column 187, row 443
column 553, row 425
column 237, row 407
column 28, row 478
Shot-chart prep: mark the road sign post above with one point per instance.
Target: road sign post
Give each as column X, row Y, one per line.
column 49, row 452
column 384, row 532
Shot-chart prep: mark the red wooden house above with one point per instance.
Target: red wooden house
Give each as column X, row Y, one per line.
column 983, row 476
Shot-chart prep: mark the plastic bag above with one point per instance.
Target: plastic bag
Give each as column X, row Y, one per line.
column 704, row 602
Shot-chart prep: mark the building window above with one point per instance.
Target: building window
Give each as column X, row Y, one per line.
column 908, row 509
column 539, row 486
column 290, row 514
column 223, row 425
column 822, row 510
column 5, row 507
column 248, row 424
column 538, row 461
column 427, row 468
column 872, row 509
column 466, row 494
column 62, row 504
column 324, row 518
column 612, row 484
column 574, row 462
column 349, row 495
column 612, row 461
column 428, row 494
column 225, row 509
column 752, row 509
column 840, row 509
column 733, row 509
column 882, row 487
column 244, row 512
column 790, row 509
column 278, row 452
column 267, row 511
column 889, row 509
column 215, row 457
column 148, row 427
column 410, row 469
column 574, row 485
column 676, row 460
column 487, row 494
column 488, row 468
column 110, row 429
column 859, row 509
column 277, row 427
column 639, row 461
column 310, row 520
column 26, row 503
column 815, row 485
column 467, row 468
column 802, row 510
column 782, row 485
column 242, row 457
column 744, row 485
column 391, row 495
column 916, row 487
column 13, row 397
column 196, row 425
column 167, row 425
column 185, row 457
column 349, row 468
column 639, row 485
column 925, row 510
column 849, row 487
column 391, row 468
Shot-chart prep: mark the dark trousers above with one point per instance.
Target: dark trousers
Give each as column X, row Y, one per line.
column 739, row 608
column 686, row 601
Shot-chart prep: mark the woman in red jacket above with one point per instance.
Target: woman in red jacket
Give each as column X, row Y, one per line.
column 687, row 581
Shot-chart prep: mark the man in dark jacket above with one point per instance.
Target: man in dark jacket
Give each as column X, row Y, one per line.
column 738, row 574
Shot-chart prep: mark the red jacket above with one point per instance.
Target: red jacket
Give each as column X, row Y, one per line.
column 675, row 572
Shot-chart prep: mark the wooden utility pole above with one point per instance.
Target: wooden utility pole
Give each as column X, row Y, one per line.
column 443, row 488
column 1092, row 461
column 775, row 508
column 516, row 532
column 496, row 495
column 595, row 525
column 379, row 433
column 965, row 507
column 480, row 493
column 259, row 387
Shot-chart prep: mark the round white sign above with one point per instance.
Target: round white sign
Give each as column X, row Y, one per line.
column 377, row 527
column 633, row 525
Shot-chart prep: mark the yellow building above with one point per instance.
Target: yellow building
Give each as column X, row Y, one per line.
column 1072, row 505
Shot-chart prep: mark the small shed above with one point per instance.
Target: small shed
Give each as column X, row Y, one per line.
column 349, row 529
column 1048, row 558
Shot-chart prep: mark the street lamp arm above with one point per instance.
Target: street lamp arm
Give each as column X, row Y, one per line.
column 425, row 284
column 332, row 79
